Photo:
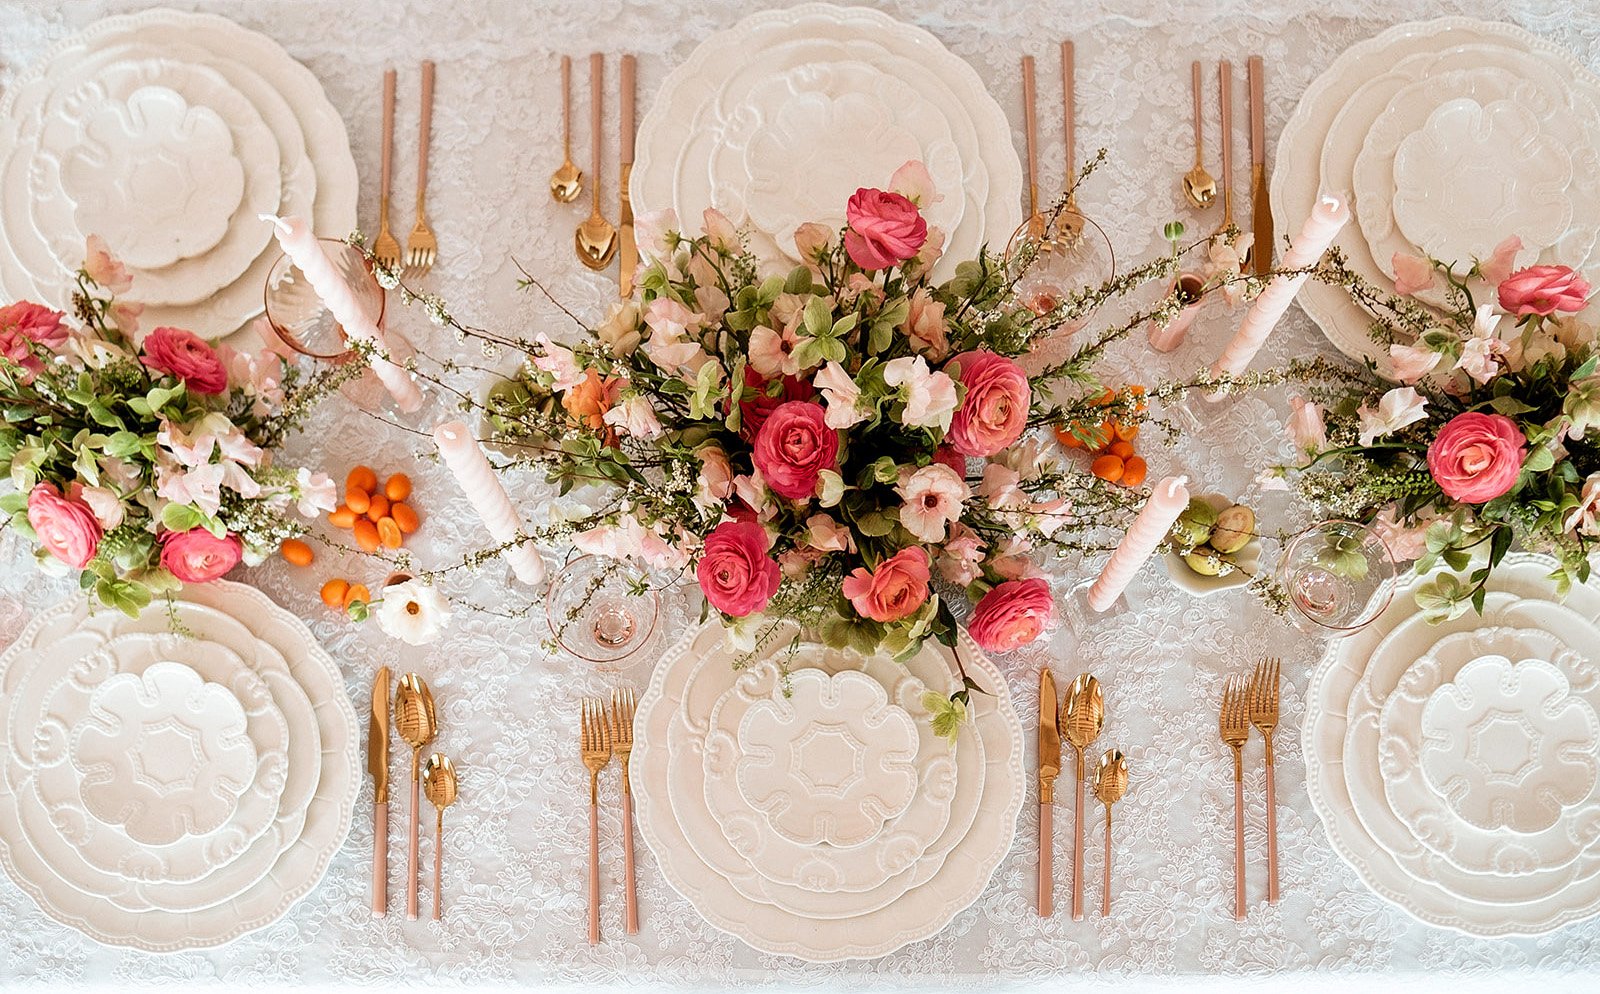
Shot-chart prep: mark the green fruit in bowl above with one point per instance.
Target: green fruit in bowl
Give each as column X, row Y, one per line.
column 1193, row 526
column 1205, row 561
column 1235, row 527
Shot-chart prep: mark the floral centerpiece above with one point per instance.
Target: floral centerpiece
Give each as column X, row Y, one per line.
column 1490, row 436
column 145, row 461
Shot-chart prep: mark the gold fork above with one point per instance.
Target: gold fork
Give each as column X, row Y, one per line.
column 386, row 249
column 596, row 747
column 1235, row 727
column 421, row 246
column 1264, row 715
column 622, row 707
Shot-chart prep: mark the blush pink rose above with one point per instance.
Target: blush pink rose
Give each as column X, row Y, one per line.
column 895, row 590
column 1476, row 457
column 885, row 229
column 197, row 556
column 67, row 528
column 735, row 572
column 185, row 355
column 24, row 325
column 793, row 447
column 1543, row 290
column 994, row 411
column 1012, row 615
column 754, row 411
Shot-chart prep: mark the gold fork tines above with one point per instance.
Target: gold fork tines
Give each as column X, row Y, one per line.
column 1234, row 725
column 421, row 247
column 622, row 708
column 1264, row 715
column 596, row 750
column 385, row 248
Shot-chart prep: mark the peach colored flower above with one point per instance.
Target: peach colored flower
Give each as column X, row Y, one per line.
column 104, row 268
column 994, row 411
column 925, row 326
column 1412, row 274
column 1413, row 362
column 892, row 592
column 1012, row 615
column 589, row 401
column 930, row 395
column 1497, row 267
column 932, row 498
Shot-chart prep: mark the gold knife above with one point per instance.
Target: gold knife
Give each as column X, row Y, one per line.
column 378, row 766
column 1260, row 202
column 627, row 250
column 1049, row 769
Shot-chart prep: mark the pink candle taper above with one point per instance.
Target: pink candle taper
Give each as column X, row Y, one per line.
column 302, row 247
column 1321, row 227
column 1167, row 500
column 465, row 459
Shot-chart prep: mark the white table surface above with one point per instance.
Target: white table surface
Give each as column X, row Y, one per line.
column 514, row 880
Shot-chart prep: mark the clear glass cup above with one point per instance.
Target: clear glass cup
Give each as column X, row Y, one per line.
column 600, row 609
column 1338, row 578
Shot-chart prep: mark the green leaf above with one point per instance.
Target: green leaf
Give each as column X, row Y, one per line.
column 799, row 280
column 1539, row 460
column 123, row 444
column 181, row 517
column 1510, row 406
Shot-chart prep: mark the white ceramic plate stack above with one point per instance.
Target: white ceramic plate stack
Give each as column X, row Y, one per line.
column 1447, row 135
column 821, row 817
column 1457, row 766
column 778, row 120
column 166, row 790
column 167, row 134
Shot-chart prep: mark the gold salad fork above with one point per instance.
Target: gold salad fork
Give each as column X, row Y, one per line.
column 596, row 749
column 421, row 246
column 386, row 249
column 1264, row 715
column 1234, row 725
column 622, row 708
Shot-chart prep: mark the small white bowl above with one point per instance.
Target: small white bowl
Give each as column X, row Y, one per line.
column 1247, row 559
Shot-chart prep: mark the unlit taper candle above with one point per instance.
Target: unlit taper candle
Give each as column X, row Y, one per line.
column 305, row 250
column 466, row 461
column 1167, row 501
column 1321, row 227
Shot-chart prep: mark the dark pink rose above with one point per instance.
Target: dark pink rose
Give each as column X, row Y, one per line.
column 895, row 590
column 994, row 411
column 24, row 325
column 1476, row 457
column 197, row 556
column 185, row 355
column 1543, row 290
column 735, row 572
column 754, row 411
column 885, row 229
column 1012, row 615
column 67, row 528
column 950, row 457
column 793, row 447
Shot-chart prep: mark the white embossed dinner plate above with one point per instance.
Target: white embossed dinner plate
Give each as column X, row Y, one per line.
column 326, row 814
column 684, row 682
column 1331, row 785
column 718, row 131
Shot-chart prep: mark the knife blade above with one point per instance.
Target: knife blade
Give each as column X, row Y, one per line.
column 378, row 737
column 1260, row 202
column 1049, row 769
column 627, row 249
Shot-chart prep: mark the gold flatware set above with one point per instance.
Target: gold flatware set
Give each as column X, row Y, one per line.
column 1247, row 702
column 415, row 720
column 596, row 240
column 1200, row 187
column 1066, row 227
column 1079, row 720
column 603, row 732
column 422, row 248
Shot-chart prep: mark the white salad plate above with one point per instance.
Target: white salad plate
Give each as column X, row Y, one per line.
column 673, row 821
column 319, row 819
column 904, row 841
column 1345, row 783
column 162, row 754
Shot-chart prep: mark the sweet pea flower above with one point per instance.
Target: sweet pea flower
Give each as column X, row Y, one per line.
column 635, row 417
column 656, row 233
column 1402, row 542
column 670, row 345
column 720, row 231
column 1001, row 487
column 932, row 498
column 930, row 396
column 1412, row 273
column 1497, row 267
column 892, row 592
column 1413, row 362
column 1482, row 351
column 559, row 362
column 771, row 352
column 1585, row 518
column 106, row 505
column 1398, row 408
column 827, row 535
column 1306, row 427
column 620, row 329
column 913, row 182
column 104, row 268
column 714, row 485
column 199, row 486
column 841, row 395
column 925, row 326
column 812, row 241
column 961, row 556
column 316, row 493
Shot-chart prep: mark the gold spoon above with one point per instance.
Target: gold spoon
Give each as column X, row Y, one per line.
column 439, row 780
column 567, row 181
column 1084, row 717
column 414, row 720
column 1199, row 186
column 596, row 239
column 1109, row 788
column 1069, row 223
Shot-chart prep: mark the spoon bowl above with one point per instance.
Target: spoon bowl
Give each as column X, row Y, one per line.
column 439, row 781
column 416, row 722
column 1199, row 187
column 566, row 183
column 595, row 241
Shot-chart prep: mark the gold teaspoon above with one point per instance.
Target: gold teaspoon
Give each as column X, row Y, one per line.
column 439, row 780
column 1109, row 787
column 566, row 183
column 414, row 720
column 596, row 238
column 1082, row 721
column 1199, row 186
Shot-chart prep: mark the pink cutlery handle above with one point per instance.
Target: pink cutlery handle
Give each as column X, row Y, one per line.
column 1272, row 835
column 1077, row 849
column 426, row 130
column 630, row 67
column 411, row 862
column 594, row 874
column 630, row 896
column 1047, row 883
column 1030, row 131
column 388, row 130
column 1225, row 95
column 566, row 106
column 380, row 859
column 597, row 73
column 438, row 868
column 1238, row 850
column 1105, row 883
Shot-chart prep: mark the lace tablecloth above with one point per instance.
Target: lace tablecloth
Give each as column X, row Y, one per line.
column 515, row 887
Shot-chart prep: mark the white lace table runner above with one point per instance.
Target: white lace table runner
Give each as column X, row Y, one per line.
column 515, row 887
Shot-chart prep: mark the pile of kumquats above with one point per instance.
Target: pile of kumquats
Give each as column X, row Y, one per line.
column 378, row 517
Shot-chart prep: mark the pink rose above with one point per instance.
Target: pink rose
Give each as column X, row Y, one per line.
column 735, row 572
column 895, row 590
column 197, row 556
column 885, row 229
column 995, row 410
column 1012, row 615
column 793, row 447
column 67, row 528
column 185, row 355
column 24, row 325
column 1544, row 290
column 754, row 411
column 1476, row 457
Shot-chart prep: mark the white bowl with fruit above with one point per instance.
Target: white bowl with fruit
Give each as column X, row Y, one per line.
column 1214, row 546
